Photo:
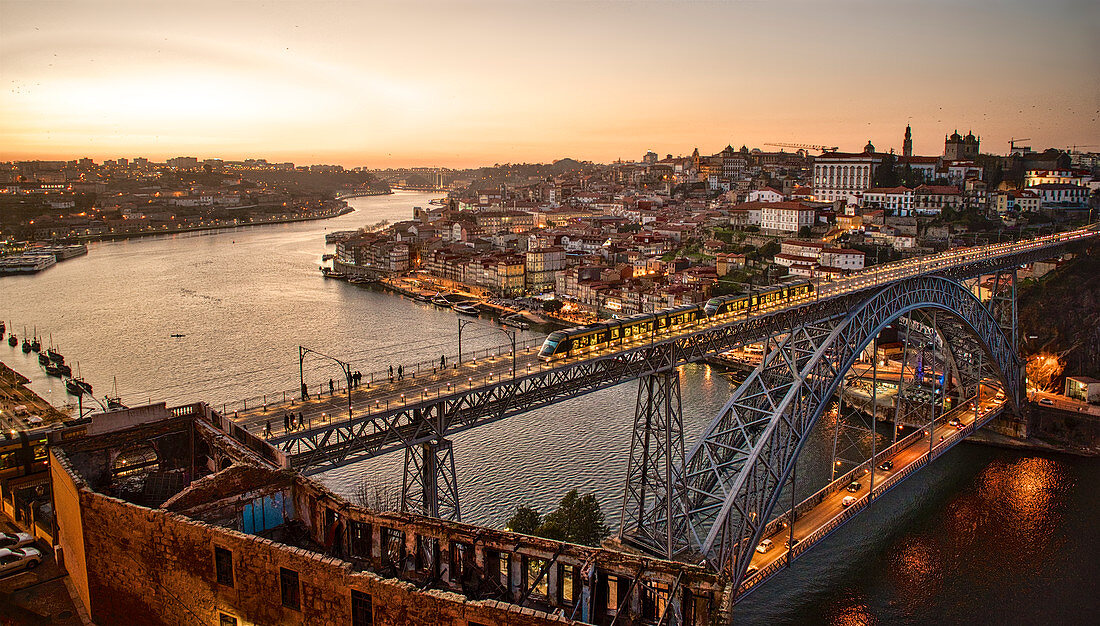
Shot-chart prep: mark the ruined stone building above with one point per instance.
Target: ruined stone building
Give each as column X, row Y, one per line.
column 176, row 516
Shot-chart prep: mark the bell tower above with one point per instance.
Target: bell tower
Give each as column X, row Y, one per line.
column 907, row 145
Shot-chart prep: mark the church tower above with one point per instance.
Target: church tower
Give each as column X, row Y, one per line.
column 907, row 145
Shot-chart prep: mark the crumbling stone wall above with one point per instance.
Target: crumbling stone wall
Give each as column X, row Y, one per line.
column 148, row 566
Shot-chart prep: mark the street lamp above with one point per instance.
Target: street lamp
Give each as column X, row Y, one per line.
column 461, row 324
column 511, row 335
column 344, row 367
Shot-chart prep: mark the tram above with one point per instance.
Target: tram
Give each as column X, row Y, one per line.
column 572, row 341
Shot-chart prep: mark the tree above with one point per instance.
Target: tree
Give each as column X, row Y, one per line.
column 769, row 249
column 552, row 306
column 378, row 495
column 578, row 519
column 525, row 520
column 885, row 175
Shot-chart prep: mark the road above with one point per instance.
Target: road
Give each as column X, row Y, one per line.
column 832, row 506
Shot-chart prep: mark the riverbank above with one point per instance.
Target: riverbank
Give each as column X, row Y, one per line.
column 362, row 194
column 324, row 215
column 19, row 406
column 1031, row 444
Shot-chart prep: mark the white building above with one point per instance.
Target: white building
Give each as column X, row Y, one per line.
column 844, row 175
column 842, row 259
column 896, row 200
column 1060, row 193
column 787, row 217
column 767, row 194
column 1061, row 177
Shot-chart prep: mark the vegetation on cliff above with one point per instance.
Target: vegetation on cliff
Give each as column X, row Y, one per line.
column 1059, row 314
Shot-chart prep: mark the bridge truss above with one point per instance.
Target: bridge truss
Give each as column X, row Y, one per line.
column 733, row 476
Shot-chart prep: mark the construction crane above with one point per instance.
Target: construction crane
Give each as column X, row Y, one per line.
column 1012, row 144
column 804, row 146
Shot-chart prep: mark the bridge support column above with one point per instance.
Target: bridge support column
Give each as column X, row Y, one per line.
column 656, row 460
column 429, row 486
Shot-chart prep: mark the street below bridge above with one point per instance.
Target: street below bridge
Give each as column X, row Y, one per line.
column 818, row 522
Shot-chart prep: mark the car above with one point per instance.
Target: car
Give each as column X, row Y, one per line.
column 954, row 422
column 15, row 540
column 752, row 570
column 764, row 546
column 848, row 501
column 19, row 559
column 886, row 466
column 792, row 543
column 854, row 486
column 959, row 425
column 1046, row 401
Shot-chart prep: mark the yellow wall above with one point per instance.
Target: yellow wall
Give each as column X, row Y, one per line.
column 70, row 532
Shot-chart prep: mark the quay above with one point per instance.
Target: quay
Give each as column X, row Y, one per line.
column 21, row 408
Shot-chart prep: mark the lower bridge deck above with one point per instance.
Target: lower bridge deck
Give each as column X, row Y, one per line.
column 822, row 513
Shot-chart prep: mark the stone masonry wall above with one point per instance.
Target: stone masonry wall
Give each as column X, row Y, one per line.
column 149, row 566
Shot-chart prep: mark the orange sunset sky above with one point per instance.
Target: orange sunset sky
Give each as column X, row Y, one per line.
column 474, row 82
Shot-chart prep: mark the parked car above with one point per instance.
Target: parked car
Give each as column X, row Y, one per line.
column 764, row 546
column 886, row 466
column 15, row 540
column 848, row 501
column 19, row 559
column 854, row 486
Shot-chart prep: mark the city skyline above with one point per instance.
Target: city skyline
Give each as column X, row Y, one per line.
column 390, row 85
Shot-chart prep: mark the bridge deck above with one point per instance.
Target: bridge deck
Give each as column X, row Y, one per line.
column 328, row 427
column 813, row 525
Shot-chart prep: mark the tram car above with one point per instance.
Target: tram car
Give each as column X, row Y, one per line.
column 573, row 341
column 22, row 453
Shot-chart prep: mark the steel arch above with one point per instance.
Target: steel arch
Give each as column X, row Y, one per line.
column 734, row 473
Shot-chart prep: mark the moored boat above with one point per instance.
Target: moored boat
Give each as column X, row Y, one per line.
column 467, row 308
column 26, row 346
column 12, row 340
column 43, row 359
column 54, row 370
column 515, row 321
column 74, row 387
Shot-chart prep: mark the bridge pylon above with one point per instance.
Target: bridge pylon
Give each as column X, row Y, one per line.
column 656, row 461
column 430, row 486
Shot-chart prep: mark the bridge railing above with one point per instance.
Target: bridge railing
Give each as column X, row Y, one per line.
column 320, row 389
column 840, row 483
column 872, row 277
column 863, row 501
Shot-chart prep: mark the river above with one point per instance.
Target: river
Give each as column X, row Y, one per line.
column 983, row 535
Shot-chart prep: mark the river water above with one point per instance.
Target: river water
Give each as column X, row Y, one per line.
column 981, row 536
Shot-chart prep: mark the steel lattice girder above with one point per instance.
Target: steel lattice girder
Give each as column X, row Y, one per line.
column 735, row 472
column 429, row 486
column 340, row 443
column 656, row 456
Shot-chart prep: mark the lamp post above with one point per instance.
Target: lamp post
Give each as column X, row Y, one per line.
column 511, row 335
column 345, row 367
column 461, row 324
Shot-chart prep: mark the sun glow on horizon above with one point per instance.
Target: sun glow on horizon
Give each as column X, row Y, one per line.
column 481, row 82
